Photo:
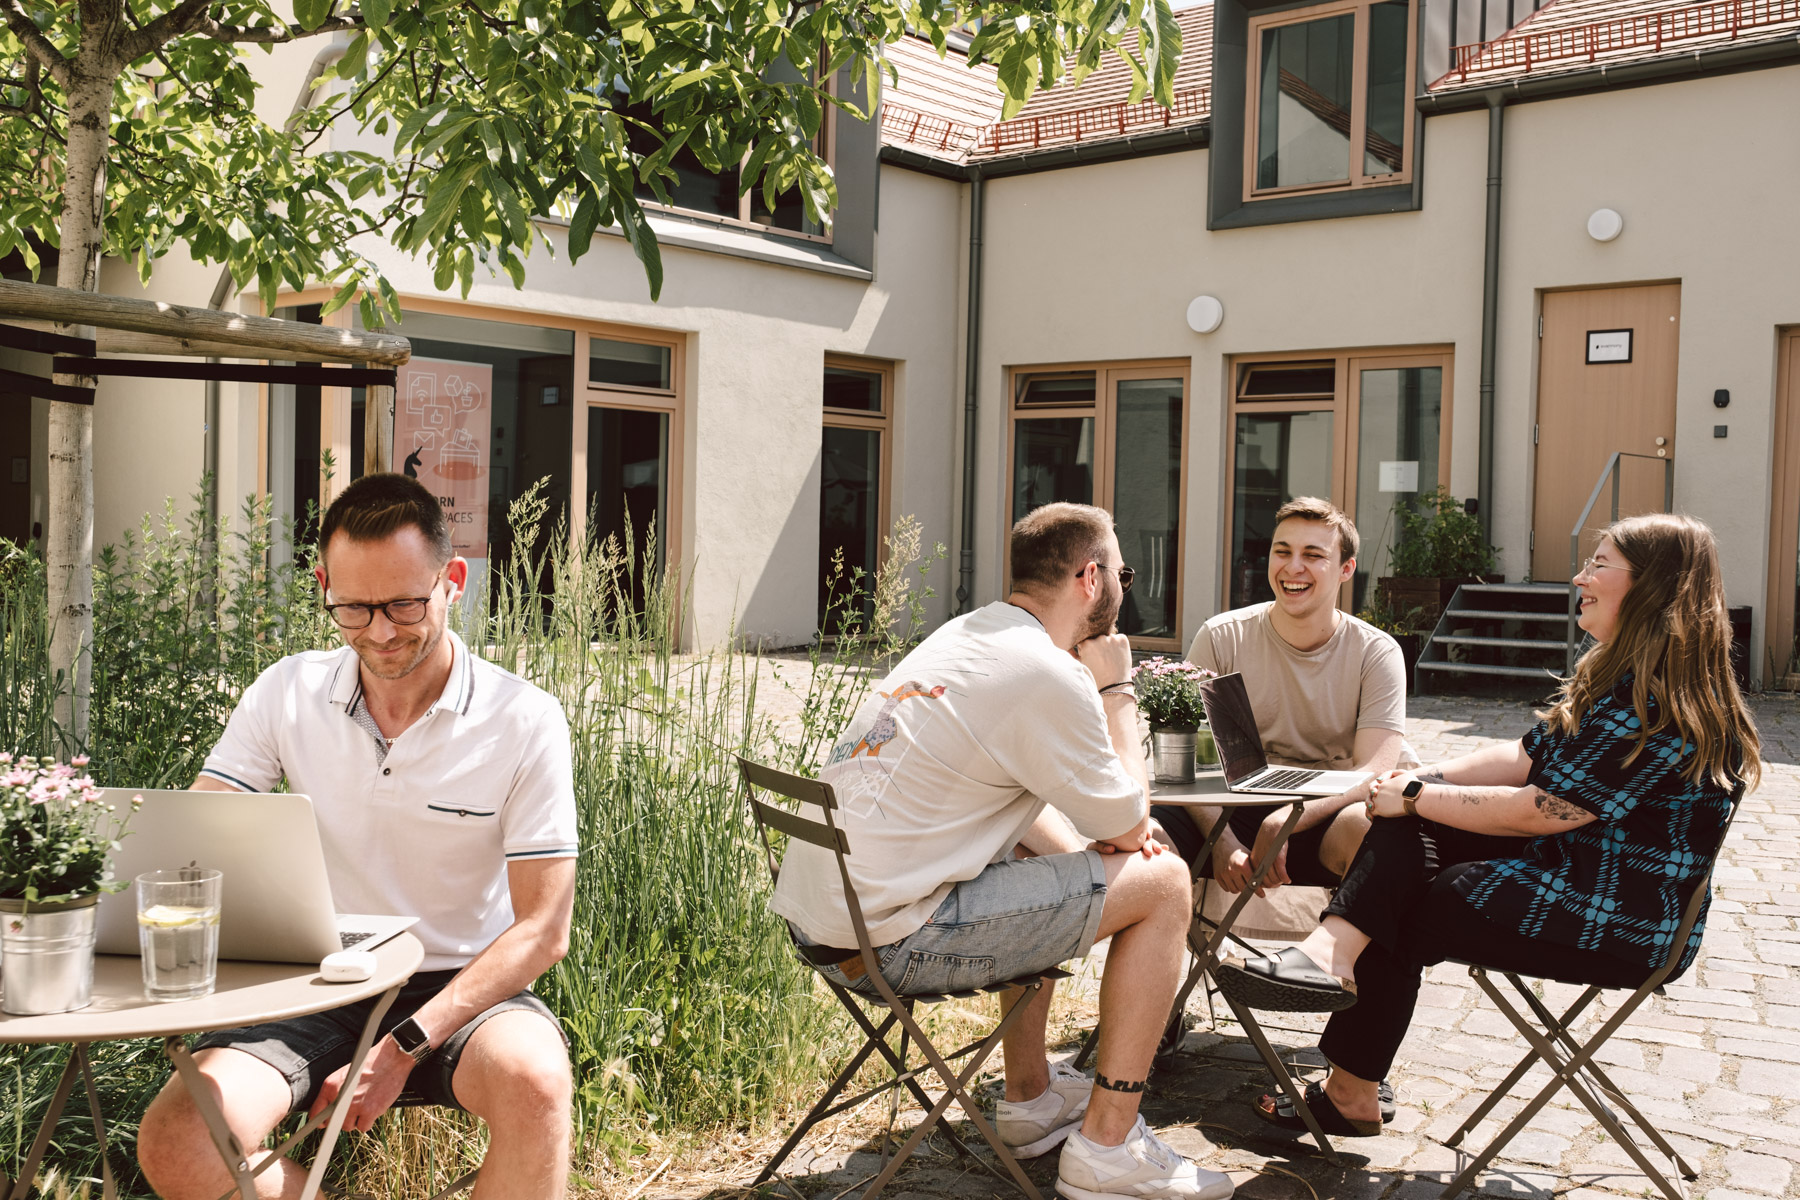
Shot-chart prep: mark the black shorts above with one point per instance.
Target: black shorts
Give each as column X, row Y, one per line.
column 1303, row 847
column 306, row 1050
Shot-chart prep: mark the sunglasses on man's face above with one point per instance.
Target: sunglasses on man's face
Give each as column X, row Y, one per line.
column 1125, row 574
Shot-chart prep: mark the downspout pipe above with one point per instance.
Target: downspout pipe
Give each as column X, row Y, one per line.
column 965, row 587
column 1490, row 314
column 209, row 456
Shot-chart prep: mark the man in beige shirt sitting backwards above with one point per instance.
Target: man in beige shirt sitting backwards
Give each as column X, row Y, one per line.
column 1329, row 691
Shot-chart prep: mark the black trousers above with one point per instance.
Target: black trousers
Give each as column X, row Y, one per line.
column 1398, row 890
column 1304, row 865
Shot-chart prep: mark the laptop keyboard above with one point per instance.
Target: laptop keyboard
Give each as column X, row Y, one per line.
column 351, row 937
column 1287, row 778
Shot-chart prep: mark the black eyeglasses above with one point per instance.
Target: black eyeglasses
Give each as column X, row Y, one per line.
column 408, row 611
column 1125, row 574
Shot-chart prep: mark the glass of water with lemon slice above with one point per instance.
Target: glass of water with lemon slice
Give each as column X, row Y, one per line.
column 178, row 932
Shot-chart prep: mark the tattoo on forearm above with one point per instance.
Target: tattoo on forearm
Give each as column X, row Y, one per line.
column 1558, row 810
column 1433, row 776
column 1115, row 1085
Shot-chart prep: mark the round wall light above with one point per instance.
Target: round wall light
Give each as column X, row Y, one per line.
column 1605, row 224
column 1205, row 314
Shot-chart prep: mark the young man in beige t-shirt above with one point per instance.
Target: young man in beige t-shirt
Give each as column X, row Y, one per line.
column 1329, row 692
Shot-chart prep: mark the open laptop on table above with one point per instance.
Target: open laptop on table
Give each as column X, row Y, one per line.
column 276, row 904
column 1246, row 766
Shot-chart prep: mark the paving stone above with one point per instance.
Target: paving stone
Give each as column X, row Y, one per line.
column 1763, row 1173
column 1697, row 1066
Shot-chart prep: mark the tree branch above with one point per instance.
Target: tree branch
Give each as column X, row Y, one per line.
column 37, row 45
column 275, row 34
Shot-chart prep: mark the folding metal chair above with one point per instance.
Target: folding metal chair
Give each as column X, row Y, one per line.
column 898, row 1008
column 1553, row 1043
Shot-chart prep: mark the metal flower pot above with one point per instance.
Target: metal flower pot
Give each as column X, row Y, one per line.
column 46, row 956
column 1172, row 754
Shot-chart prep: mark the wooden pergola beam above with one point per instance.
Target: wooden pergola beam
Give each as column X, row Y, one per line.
column 210, row 333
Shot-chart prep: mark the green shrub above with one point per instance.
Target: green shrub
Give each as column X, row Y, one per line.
column 683, row 1004
column 1438, row 539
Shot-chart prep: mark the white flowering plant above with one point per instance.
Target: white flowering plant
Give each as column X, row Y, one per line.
column 1168, row 693
column 57, row 832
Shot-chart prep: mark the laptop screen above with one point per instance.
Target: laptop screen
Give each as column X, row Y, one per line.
column 1227, row 705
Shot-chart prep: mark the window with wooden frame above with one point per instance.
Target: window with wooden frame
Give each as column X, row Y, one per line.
column 1780, row 666
column 1330, row 98
column 626, row 432
column 855, row 451
column 1365, row 429
column 1113, row 435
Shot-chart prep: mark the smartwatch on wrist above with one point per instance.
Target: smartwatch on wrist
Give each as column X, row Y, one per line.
column 410, row 1037
column 1409, row 797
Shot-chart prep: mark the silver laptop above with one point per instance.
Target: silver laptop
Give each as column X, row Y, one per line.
column 277, row 899
column 1246, row 766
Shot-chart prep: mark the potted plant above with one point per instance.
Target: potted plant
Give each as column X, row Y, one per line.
column 1404, row 628
column 1168, row 694
column 57, row 835
column 1439, row 546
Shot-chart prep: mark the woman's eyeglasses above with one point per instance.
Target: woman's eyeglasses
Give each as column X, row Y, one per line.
column 1590, row 565
column 1125, row 574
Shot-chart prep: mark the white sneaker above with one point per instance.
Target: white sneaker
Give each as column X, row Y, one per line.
column 1030, row 1127
column 1143, row 1166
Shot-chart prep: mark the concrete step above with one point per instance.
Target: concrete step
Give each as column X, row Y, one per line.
column 1517, row 589
column 1557, row 644
column 1498, row 614
column 1486, row 669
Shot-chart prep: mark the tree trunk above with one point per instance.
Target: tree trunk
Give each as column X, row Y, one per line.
column 69, row 535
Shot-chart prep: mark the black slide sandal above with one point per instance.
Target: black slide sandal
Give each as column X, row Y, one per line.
column 1280, row 1113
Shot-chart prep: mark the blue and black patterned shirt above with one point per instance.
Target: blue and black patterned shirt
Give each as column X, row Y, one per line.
column 1618, row 884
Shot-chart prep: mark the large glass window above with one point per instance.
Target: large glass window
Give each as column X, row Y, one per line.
column 1111, row 436
column 858, row 407
column 628, row 489
column 1363, row 430
column 1330, row 101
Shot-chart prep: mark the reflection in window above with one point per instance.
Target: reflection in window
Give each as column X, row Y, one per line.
column 1401, row 411
column 849, row 520
column 1146, row 501
column 628, row 364
column 628, row 481
column 857, row 391
column 1053, row 459
column 1384, row 149
column 1279, row 456
column 1056, row 391
column 1304, row 101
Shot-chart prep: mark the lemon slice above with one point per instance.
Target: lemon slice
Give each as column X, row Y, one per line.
column 175, row 916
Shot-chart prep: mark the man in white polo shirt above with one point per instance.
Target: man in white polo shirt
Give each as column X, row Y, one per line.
column 443, row 790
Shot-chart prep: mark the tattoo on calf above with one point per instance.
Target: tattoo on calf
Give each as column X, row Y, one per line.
column 1560, row 810
column 1115, row 1085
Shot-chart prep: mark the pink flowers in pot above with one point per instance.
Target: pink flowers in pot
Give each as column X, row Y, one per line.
column 1168, row 693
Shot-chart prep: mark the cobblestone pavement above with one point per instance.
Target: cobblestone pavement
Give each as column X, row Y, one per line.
column 1715, row 1062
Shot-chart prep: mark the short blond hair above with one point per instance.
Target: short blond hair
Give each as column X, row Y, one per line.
column 1312, row 508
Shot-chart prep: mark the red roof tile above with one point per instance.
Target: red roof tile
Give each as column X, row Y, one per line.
column 949, row 110
column 1575, row 35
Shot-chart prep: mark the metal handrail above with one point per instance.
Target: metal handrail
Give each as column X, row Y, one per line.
column 1612, row 471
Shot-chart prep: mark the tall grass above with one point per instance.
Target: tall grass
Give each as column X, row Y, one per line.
column 683, row 1007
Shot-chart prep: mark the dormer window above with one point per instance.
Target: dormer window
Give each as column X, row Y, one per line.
column 1329, row 103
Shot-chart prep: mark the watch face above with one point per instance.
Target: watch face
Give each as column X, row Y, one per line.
column 408, row 1035
column 1411, row 791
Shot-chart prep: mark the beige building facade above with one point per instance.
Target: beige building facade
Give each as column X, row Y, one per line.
column 1322, row 187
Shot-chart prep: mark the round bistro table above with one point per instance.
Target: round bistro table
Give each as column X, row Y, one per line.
column 247, row 993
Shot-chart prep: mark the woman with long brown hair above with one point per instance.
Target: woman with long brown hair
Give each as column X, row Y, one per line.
column 1569, row 853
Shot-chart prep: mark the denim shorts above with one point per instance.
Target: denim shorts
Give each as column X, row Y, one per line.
column 1018, row 916
column 306, row 1050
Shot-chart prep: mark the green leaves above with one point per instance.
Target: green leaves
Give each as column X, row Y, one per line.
column 456, row 129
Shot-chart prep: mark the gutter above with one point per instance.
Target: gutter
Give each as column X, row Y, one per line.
column 1773, row 52
column 1490, row 316
column 209, row 455
column 965, row 571
column 1163, row 141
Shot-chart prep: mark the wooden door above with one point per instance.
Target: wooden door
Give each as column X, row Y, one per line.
column 1781, row 656
column 1588, row 409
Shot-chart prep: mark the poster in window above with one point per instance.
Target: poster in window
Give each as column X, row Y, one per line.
column 443, row 420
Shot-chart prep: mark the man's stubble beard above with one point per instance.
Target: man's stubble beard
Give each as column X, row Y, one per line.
column 1103, row 617
column 427, row 648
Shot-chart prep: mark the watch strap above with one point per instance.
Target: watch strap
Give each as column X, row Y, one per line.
column 410, row 1036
